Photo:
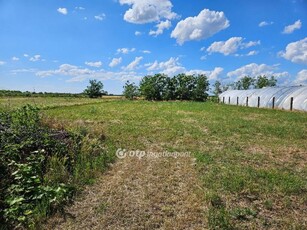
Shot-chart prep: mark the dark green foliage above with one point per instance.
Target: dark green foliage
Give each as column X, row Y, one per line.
column 258, row 83
column 185, row 86
column 154, row 87
column 95, row 89
column 217, row 88
column 247, row 82
column 201, row 86
column 40, row 167
column 263, row 81
column 131, row 91
column 180, row 87
column 16, row 93
column 244, row 83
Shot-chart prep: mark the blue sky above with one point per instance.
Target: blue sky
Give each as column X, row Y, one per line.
column 57, row 46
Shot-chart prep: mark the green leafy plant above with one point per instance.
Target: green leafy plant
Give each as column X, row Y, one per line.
column 131, row 91
column 37, row 166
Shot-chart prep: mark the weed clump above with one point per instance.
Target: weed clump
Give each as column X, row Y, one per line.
column 40, row 167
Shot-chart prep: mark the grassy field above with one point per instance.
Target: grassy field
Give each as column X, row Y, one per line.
column 252, row 162
column 49, row 102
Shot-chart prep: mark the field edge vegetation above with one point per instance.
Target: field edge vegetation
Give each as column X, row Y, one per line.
column 43, row 164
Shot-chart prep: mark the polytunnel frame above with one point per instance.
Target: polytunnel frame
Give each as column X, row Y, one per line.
column 288, row 98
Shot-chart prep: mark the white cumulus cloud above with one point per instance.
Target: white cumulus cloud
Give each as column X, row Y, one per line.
column 62, row 11
column 301, row 78
column 78, row 74
column 202, row 26
column 134, row 64
column 66, row 70
column 146, row 51
column 15, row 59
column 79, row 8
column 96, row 64
column 296, row 51
column 125, row 50
column 170, row 67
column 265, row 23
column 252, row 53
column 2, row 62
column 100, row 17
column 115, row 62
column 255, row 70
column 148, row 11
column 211, row 74
column 35, row 58
column 290, row 28
column 160, row 28
column 137, row 33
column 230, row 46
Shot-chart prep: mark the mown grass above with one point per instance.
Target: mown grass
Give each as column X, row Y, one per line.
column 252, row 161
column 48, row 102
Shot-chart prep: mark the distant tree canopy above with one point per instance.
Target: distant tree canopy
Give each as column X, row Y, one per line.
column 131, row 91
column 179, row 87
column 217, row 88
column 95, row 89
column 16, row 93
column 251, row 82
column 263, row 81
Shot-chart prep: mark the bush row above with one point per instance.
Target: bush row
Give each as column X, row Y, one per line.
column 162, row 87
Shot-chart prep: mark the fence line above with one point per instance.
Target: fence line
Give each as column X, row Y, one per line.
column 258, row 102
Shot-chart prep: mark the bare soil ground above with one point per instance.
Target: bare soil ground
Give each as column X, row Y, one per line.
column 147, row 193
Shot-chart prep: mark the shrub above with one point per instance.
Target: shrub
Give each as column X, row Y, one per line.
column 182, row 87
column 130, row 90
column 95, row 89
column 40, row 167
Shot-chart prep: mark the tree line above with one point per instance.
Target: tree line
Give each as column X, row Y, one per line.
column 17, row 93
column 245, row 83
column 189, row 87
column 161, row 87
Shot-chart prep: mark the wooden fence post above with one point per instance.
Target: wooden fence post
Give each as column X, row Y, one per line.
column 258, row 104
column 273, row 103
column 223, row 100
column 237, row 100
column 246, row 101
column 229, row 100
column 291, row 103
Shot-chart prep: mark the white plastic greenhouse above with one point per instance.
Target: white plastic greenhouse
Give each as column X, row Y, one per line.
column 289, row 98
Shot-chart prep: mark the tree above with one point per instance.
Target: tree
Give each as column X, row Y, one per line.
column 217, row 88
column 95, row 89
column 147, row 88
column 201, row 86
column 182, row 87
column 263, row 81
column 154, row 87
column 185, row 85
column 170, row 89
column 247, row 82
column 130, row 90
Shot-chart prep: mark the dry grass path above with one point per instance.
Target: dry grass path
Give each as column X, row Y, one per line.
column 147, row 193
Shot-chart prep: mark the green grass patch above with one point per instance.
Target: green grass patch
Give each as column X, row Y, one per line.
column 248, row 159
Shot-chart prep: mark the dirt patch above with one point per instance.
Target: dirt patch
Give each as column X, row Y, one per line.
column 290, row 156
column 150, row 193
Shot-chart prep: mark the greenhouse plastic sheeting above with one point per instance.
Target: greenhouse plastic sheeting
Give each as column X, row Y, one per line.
column 265, row 96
